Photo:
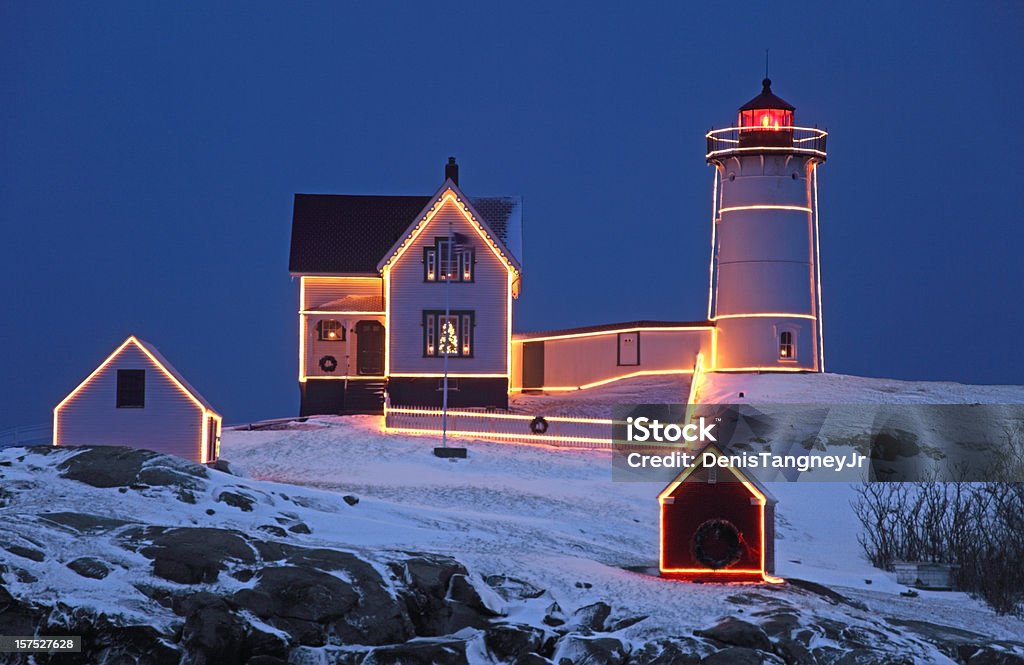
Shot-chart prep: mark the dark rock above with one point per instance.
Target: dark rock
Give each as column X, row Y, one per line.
column 956, row 643
column 553, row 615
column 88, row 566
column 239, row 500
column 273, row 530
column 581, row 650
column 243, row 574
column 794, row 652
column 427, row 578
column 741, row 656
column 440, row 652
column 215, row 635
column 24, row 552
column 462, row 590
column 592, row 616
column 24, row 576
column 863, row 656
column 738, row 633
column 185, row 496
column 625, row 622
column 584, row 585
column 5, row 497
column 510, row 588
column 780, row 624
column 105, row 466
column 510, row 642
column 304, row 602
column 985, row 655
column 196, row 555
column 225, row 466
column 667, row 652
column 210, row 511
column 158, row 475
column 17, row 617
column 825, row 592
column 300, row 528
column 83, row 522
column 350, row 500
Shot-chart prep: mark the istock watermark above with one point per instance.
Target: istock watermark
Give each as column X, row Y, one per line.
column 821, row 443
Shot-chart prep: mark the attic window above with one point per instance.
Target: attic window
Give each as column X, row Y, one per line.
column 330, row 330
column 449, row 260
column 131, row 388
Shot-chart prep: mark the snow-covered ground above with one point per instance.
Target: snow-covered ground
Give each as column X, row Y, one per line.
column 554, row 517
column 550, row 516
column 725, row 388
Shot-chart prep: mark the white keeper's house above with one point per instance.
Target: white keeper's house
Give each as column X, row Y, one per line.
column 392, row 289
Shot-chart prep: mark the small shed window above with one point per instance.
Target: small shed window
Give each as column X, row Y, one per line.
column 131, row 388
column 330, row 330
column 787, row 350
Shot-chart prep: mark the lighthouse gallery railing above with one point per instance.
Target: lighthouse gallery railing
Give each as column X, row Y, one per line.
column 806, row 140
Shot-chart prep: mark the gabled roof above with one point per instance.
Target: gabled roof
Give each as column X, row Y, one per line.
column 450, row 192
column 756, row 487
column 162, row 364
column 341, row 234
column 173, row 372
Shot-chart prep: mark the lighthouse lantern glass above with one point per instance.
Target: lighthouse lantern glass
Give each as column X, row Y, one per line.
column 766, row 119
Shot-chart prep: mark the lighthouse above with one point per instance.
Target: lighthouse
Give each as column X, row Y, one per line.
column 765, row 283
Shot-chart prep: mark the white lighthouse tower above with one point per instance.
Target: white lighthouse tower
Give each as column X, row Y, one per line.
column 765, row 291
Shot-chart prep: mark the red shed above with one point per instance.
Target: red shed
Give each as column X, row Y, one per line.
column 717, row 524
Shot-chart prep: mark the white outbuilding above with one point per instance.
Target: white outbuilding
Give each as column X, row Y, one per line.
column 136, row 398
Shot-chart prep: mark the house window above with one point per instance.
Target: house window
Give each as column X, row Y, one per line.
column 787, row 350
column 330, row 330
column 450, row 334
column 131, row 388
column 449, row 261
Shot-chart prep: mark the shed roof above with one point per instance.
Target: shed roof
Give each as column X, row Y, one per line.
column 340, row 234
column 173, row 372
column 681, row 478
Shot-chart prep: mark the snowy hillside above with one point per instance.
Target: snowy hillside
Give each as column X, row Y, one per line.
column 558, row 558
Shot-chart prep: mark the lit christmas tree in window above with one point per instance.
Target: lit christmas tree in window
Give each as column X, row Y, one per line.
column 449, row 339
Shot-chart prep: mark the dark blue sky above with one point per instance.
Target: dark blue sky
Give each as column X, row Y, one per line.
column 149, row 153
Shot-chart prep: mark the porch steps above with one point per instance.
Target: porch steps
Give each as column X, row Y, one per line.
column 365, row 397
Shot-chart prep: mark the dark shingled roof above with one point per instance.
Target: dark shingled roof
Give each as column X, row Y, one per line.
column 767, row 100
column 342, row 233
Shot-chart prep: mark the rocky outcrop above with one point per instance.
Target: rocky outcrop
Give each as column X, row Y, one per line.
column 270, row 595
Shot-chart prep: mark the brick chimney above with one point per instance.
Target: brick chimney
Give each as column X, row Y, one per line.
column 451, row 171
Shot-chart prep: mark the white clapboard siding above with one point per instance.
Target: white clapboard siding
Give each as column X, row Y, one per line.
column 576, row 361
column 487, row 296
column 169, row 423
column 356, row 294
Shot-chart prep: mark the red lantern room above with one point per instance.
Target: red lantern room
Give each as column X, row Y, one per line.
column 766, row 120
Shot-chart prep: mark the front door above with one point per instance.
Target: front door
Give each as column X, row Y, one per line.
column 370, row 348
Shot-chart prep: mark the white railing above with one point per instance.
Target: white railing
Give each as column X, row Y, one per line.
column 502, row 426
column 26, row 435
column 800, row 140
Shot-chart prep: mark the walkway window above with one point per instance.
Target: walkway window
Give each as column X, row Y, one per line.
column 787, row 350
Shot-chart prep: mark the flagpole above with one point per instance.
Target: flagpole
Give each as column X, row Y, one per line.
column 444, row 337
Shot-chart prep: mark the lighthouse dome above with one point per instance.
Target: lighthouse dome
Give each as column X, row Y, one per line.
column 767, row 111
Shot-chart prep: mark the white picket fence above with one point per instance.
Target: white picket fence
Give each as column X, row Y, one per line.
column 502, row 426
